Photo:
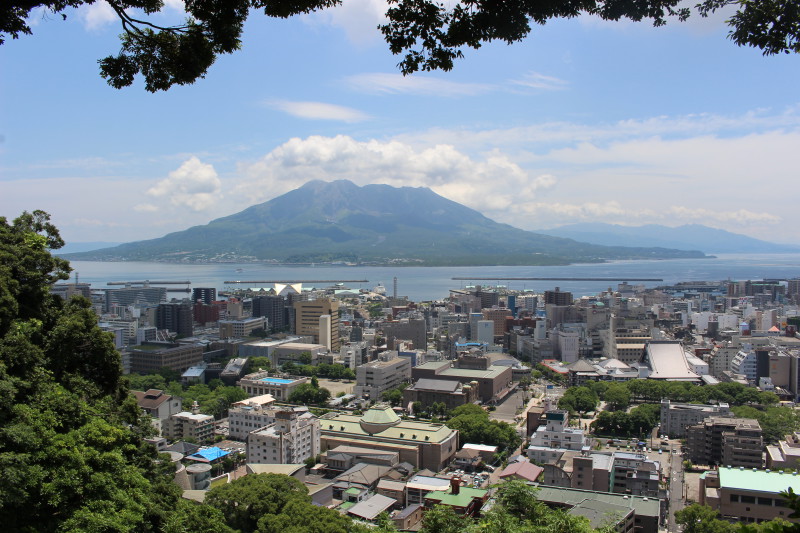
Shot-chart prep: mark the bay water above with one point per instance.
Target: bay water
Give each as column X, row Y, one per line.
column 433, row 283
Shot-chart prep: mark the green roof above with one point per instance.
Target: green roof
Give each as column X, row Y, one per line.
column 346, row 505
column 759, row 480
column 343, row 425
column 380, row 415
column 352, row 490
column 462, row 499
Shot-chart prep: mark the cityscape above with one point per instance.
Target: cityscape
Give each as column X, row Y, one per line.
column 372, row 266
column 627, row 407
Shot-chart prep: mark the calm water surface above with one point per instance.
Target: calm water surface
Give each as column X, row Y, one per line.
column 428, row 283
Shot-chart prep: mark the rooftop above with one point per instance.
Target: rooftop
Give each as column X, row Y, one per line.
column 370, row 508
column 668, row 361
column 462, row 499
column 758, row 480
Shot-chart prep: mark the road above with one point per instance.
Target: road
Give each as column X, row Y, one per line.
column 676, row 487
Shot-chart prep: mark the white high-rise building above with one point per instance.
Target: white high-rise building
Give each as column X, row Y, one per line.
column 291, row 439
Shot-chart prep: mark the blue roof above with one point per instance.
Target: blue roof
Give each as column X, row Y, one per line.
column 211, row 454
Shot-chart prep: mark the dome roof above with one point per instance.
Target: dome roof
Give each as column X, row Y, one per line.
column 379, row 418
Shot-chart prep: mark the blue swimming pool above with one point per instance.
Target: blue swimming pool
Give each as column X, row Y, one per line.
column 276, row 380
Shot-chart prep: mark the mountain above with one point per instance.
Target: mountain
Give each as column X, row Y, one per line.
column 74, row 247
column 374, row 224
column 686, row 237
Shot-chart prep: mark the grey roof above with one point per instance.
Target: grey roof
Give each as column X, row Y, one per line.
column 668, row 361
column 599, row 513
column 439, row 385
column 370, row 508
column 642, row 506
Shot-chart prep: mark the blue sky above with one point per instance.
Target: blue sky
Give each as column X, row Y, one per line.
column 584, row 121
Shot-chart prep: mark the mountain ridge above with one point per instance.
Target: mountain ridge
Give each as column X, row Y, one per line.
column 684, row 237
column 373, row 224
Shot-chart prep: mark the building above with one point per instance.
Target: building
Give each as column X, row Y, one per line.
column 157, row 405
column 134, row 296
column 407, row 329
column 599, row 507
column 291, row 439
column 785, row 454
column 192, row 425
column 463, row 500
column 725, row 441
column 451, row 393
column 297, row 352
column 151, row 357
column 175, row 317
column 250, row 415
column 558, row 297
column 676, row 417
column 261, row 383
column 307, row 320
column 552, row 439
column 747, row 495
column 274, row 309
column 421, row 444
column 239, row 328
column 667, row 360
column 376, row 377
column 207, row 295
column 493, row 383
column 498, row 318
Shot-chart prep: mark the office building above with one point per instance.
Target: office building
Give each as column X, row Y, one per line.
column 241, row 328
column 307, row 320
column 151, row 357
column 386, row 373
column 207, row 295
column 134, row 296
column 175, row 317
column 676, row 417
column 274, row 309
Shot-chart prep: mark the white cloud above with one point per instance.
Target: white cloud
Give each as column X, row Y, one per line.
column 386, row 83
column 318, row 111
column 145, row 208
column 492, row 181
column 358, row 18
column 97, row 15
column 535, row 80
column 194, row 185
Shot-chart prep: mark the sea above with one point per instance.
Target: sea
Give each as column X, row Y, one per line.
column 434, row 283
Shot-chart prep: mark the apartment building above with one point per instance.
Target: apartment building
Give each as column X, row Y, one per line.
column 149, row 358
column 747, row 494
column 552, row 439
column 726, row 441
column 243, row 327
column 192, row 425
column 292, row 438
column 250, row 415
column 676, row 417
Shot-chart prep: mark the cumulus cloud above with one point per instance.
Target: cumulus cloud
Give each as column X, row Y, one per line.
column 471, row 180
column 318, row 111
column 390, row 83
column 358, row 18
column 97, row 15
column 194, row 185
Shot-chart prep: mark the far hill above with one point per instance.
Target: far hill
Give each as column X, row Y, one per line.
column 686, row 237
column 375, row 224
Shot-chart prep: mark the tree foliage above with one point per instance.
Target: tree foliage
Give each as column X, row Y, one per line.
column 579, row 399
column 428, row 34
column 474, row 426
column 71, row 447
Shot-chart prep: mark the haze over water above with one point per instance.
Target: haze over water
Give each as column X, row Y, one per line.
column 431, row 283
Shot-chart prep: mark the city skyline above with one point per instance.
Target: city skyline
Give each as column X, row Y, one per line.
column 583, row 121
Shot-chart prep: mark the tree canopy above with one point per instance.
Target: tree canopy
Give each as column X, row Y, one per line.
column 429, row 35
